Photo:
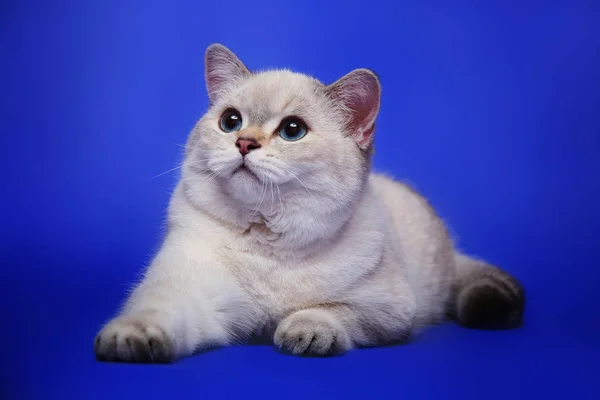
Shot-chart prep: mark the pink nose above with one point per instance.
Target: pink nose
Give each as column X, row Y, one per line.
column 246, row 145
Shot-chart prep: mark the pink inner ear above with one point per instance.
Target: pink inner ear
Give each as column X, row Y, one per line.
column 364, row 139
column 216, row 85
column 359, row 92
column 222, row 67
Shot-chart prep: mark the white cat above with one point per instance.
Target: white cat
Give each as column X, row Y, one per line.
column 278, row 227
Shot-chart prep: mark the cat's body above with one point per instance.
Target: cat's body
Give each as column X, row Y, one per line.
column 293, row 236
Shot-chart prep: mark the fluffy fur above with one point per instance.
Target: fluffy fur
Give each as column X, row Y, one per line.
column 297, row 240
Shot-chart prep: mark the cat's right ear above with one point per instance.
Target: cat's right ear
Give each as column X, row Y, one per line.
column 222, row 69
column 358, row 92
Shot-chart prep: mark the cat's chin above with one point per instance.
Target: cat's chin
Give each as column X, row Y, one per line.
column 243, row 172
column 244, row 185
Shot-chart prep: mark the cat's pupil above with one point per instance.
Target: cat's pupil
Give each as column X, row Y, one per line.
column 232, row 121
column 292, row 129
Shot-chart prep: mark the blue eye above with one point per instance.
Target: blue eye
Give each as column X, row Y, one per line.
column 230, row 121
column 292, row 129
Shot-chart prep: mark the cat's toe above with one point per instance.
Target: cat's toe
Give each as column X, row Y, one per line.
column 303, row 334
column 133, row 340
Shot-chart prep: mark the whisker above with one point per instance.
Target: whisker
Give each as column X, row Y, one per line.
column 178, row 167
column 302, row 183
column 280, row 200
column 272, row 195
column 270, row 170
column 254, row 211
column 211, row 178
column 166, row 172
column 262, row 193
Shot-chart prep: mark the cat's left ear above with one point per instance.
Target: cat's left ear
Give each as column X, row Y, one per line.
column 359, row 94
column 222, row 69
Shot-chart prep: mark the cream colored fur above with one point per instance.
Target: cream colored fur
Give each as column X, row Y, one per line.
column 317, row 252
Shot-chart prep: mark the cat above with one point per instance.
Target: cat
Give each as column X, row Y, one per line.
column 278, row 227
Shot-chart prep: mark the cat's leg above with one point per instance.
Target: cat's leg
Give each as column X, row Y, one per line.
column 336, row 328
column 486, row 297
column 186, row 302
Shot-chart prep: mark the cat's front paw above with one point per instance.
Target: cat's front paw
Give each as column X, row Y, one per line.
column 313, row 332
column 135, row 338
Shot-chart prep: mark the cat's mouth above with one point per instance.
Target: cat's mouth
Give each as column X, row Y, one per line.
column 245, row 171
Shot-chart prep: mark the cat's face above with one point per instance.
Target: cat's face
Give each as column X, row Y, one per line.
column 282, row 129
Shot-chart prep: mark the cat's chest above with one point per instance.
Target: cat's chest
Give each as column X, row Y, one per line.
column 273, row 283
column 279, row 285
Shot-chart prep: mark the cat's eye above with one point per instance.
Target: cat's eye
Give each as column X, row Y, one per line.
column 230, row 121
column 292, row 129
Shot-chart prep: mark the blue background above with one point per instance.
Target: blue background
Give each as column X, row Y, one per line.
column 492, row 109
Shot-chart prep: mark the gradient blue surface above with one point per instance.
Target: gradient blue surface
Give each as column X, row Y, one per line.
column 491, row 109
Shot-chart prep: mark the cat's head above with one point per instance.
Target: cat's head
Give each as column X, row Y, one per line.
column 284, row 131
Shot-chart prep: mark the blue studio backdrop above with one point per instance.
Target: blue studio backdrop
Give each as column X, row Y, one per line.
column 491, row 109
